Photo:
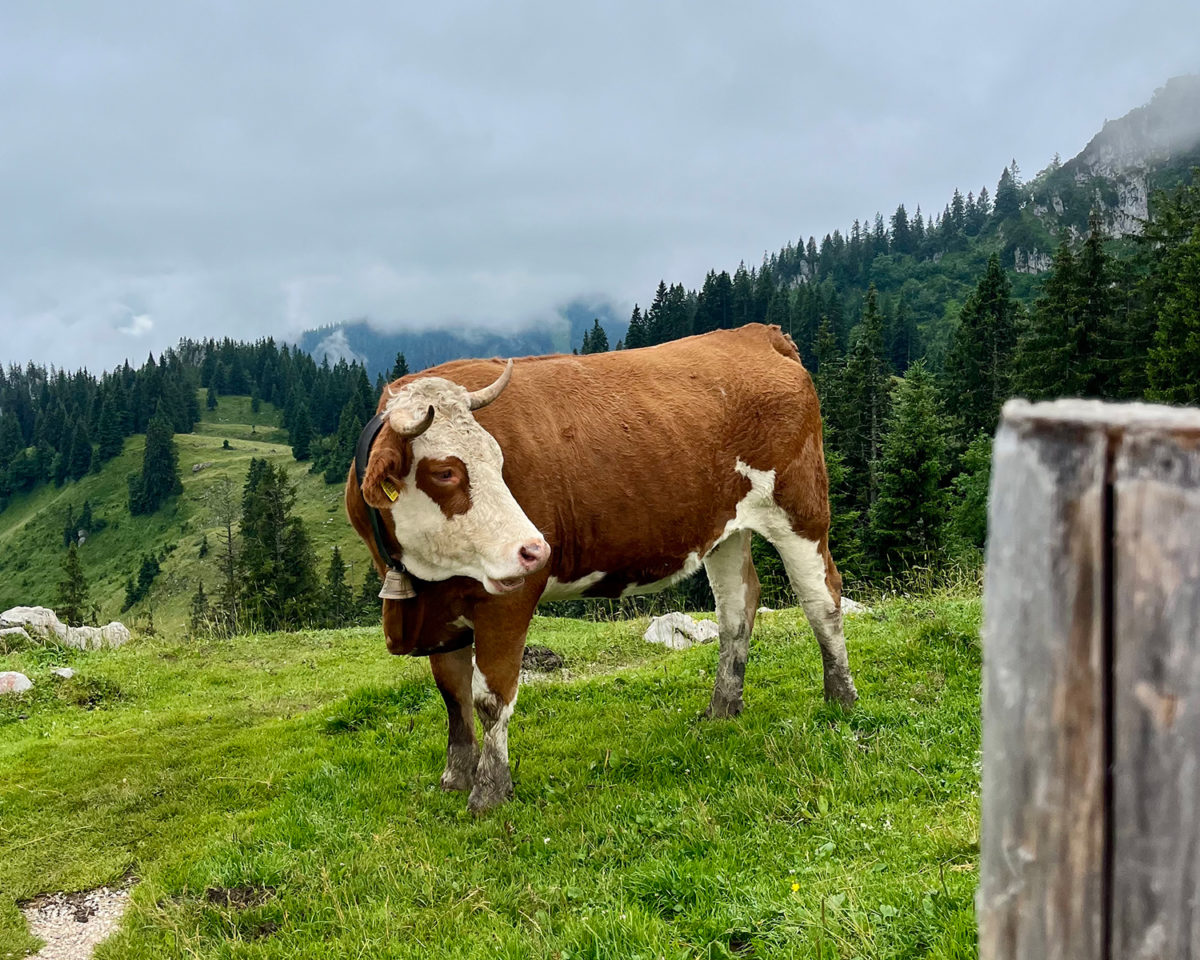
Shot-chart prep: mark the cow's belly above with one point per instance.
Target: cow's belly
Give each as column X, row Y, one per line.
column 656, row 549
column 627, row 582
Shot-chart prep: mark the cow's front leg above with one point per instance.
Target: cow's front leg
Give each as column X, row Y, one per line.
column 452, row 673
column 494, row 685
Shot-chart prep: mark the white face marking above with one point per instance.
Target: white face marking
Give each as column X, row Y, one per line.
column 572, row 588
column 483, row 542
column 461, row 622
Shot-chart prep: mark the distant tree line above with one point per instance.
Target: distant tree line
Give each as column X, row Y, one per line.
column 909, row 407
column 916, row 330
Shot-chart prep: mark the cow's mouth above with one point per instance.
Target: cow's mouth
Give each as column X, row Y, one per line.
column 505, row 586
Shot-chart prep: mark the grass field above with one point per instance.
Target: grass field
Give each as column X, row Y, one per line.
column 276, row 796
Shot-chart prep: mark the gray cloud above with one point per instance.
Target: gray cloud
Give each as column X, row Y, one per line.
column 245, row 169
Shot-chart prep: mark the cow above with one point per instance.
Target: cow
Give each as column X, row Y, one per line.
column 482, row 488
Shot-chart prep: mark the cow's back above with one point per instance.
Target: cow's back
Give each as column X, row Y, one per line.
column 631, row 461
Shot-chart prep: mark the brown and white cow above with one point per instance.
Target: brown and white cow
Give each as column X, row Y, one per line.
column 599, row 476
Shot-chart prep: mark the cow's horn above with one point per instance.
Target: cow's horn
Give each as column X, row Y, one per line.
column 411, row 430
column 485, row 395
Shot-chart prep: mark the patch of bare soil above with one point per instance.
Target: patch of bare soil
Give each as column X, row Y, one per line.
column 72, row 924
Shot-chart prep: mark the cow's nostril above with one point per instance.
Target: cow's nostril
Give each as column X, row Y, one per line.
column 532, row 553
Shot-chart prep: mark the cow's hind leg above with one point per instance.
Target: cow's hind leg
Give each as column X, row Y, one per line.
column 452, row 673
column 734, row 583
column 818, row 586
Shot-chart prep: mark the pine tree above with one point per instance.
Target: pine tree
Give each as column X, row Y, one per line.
column 399, row 368
column 908, row 515
column 338, row 600
column 202, row 552
column 159, row 479
column 658, row 321
column 349, row 427
column 368, row 596
column 865, row 394
column 595, row 340
column 1068, row 348
column 70, row 527
column 222, row 502
column 1045, row 357
column 277, row 579
column 1174, row 363
column 901, row 337
column 1169, row 321
column 11, row 440
column 80, row 459
column 637, row 334
column 74, row 603
column 210, row 397
column 968, row 516
column 979, row 364
column 845, row 529
column 714, row 307
column 112, row 438
column 1008, row 197
column 902, row 239
column 301, row 435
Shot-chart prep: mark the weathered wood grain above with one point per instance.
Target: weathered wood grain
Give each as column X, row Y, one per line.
column 1042, row 834
column 1156, row 694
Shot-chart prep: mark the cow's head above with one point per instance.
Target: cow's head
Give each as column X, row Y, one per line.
column 437, row 474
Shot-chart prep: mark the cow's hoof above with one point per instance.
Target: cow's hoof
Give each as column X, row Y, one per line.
column 483, row 799
column 721, row 708
column 461, row 761
column 841, row 691
column 458, row 779
column 493, row 786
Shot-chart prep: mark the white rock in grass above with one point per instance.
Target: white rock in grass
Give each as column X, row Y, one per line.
column 678, row 631
column 94, row 638
column 65, row 672
column 13, row 682
column 10, row 636
column 40, row 623
column 851, row 607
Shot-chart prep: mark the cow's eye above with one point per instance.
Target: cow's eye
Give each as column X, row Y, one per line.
column 444, row 476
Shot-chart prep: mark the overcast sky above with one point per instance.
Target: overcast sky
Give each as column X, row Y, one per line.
column 254, row 168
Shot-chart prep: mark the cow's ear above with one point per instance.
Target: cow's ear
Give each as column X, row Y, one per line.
column 386, row 469
column 393, row 612
column 356, row 510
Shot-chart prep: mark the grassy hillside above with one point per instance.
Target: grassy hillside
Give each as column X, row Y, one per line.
column 31, row 529
column 300, row 771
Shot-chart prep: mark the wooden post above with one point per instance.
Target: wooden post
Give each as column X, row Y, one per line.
column 1090, row 830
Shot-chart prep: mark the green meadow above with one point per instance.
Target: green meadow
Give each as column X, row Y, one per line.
column 31, row 528
column 276, row 796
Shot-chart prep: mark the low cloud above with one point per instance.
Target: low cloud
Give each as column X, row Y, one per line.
column 138, row 326
column 259, row 169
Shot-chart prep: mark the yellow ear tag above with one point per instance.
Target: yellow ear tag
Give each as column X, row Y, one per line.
column 388, row 490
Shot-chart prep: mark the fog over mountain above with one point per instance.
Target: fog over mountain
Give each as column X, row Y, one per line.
column 255, row 169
